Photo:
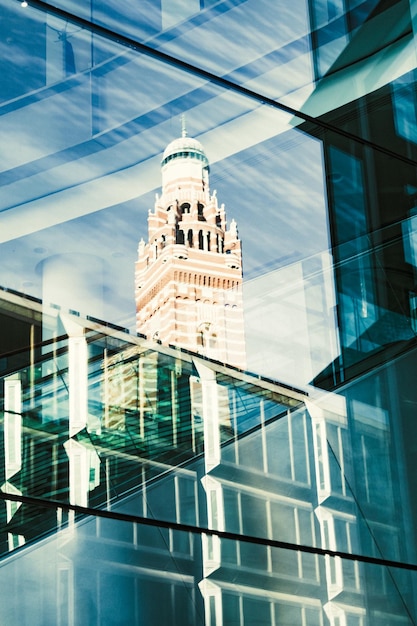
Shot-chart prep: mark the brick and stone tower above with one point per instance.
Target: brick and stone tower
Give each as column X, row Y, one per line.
column 189, row 273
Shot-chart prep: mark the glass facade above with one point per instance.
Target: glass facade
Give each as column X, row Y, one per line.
column 208, row 312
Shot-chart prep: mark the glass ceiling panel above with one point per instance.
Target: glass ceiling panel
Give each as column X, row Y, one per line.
column 298, row 55
column 257, row 44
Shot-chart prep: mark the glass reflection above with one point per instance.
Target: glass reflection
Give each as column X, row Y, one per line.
column 100, row 419
column 106, row 570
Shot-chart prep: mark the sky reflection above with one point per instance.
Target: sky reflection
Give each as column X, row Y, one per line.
column 82, row 163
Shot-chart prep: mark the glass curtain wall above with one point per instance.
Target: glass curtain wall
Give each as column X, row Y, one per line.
column 257, row 162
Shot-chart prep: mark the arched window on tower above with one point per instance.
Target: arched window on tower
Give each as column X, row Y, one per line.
column 200, row 240
column 185, row 207
column 190, row 238
column 200, row 211
column 179, row 235
column 208, row 241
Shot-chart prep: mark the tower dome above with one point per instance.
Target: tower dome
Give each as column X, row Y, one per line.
column 184, row 148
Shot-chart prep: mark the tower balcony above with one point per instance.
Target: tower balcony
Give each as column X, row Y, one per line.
column 185, row 194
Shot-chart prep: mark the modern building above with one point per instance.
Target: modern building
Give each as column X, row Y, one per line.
column 170, row 478
column 135, row 483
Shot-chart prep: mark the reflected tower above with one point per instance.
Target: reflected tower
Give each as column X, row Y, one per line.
column 189, row 272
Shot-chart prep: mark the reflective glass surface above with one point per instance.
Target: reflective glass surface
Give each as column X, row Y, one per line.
column 104, row 571
column 208, row 311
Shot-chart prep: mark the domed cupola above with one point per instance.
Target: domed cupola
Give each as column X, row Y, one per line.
column 184, row 159
column 184, row 148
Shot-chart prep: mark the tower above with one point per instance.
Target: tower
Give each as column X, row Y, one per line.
column 189, row 273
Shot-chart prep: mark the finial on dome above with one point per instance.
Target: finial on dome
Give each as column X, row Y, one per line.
column 183, row 126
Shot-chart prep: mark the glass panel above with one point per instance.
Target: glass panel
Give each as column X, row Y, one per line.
column 208, row 311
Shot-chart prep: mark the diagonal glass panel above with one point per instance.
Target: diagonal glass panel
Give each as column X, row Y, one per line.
column 259, row 45
column 301, row 58
column 278, row 52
